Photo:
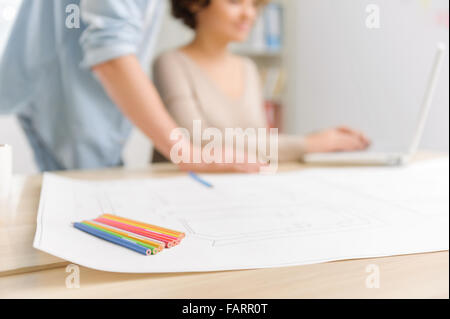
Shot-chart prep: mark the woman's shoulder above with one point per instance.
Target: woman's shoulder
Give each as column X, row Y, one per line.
column 168, row 74
column 169, row 65
column 167, row 58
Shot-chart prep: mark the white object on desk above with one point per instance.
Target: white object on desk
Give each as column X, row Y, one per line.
column 398, row 158
column 249, row 221
column 5, row 172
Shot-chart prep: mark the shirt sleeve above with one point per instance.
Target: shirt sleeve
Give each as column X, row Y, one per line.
column 113, row 29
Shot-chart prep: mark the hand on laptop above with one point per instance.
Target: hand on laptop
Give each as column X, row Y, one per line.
column 340, row 139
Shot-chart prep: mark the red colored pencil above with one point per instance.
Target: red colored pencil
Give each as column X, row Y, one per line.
column 167, row 240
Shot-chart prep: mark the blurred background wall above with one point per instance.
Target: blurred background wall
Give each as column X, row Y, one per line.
column 341, row 71
column 331, row 69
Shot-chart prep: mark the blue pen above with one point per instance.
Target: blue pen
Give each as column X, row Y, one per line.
column 200, row 180
column 113, row 239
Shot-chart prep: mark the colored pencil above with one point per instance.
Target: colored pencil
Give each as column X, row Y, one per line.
column 113, row 239
column 200, row 180
column 150, row 227
column 152, row 248
column 162, row 236
column 155, row 243
column 169, row 242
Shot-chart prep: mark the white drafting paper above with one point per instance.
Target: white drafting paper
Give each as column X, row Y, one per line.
column 248, row 222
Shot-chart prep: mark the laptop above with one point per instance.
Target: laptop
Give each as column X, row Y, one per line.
column 390, row 158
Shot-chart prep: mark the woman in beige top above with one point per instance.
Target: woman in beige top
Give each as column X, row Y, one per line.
column 204, row 81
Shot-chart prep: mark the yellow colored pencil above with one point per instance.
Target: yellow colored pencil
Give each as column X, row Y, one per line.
column 158, row 229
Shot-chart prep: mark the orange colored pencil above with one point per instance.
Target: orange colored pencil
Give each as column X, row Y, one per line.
column 154, row 228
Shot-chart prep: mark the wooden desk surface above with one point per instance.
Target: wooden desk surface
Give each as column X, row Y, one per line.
column 28, row 273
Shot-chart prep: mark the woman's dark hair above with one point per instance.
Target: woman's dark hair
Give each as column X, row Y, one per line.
column 184, row 10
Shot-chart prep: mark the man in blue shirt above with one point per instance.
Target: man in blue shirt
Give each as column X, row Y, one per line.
column 76, row 90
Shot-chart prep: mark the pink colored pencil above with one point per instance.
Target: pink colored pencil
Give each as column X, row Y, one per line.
column 169, row 241
column 136, row 228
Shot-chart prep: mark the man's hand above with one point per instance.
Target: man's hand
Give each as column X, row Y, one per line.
column 240, row 164
column 221, row 168
column 339, row 139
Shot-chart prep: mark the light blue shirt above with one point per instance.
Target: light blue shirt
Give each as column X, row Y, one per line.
column 45, row 76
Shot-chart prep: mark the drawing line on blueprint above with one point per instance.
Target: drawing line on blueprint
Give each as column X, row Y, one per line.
column 372, row 197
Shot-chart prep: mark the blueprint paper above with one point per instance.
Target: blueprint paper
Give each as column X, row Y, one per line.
column 254, row 221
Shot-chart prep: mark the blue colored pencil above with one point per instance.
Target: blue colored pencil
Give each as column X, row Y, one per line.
column 200, row 180
column 113, row 239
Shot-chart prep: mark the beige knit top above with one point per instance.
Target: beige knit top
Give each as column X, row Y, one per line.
column 189, row 94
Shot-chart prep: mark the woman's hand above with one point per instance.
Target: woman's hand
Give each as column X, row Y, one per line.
column 339, row 139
